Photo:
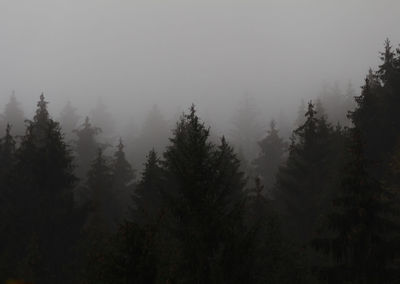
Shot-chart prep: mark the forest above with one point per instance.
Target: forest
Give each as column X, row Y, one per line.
column 314, row 203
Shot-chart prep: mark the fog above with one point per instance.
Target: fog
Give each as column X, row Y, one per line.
column 199, row 141
column 133, row 54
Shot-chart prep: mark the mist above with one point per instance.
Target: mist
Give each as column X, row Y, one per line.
column 214, row 141
column 133, row 54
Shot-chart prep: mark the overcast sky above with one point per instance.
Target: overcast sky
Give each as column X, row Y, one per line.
column 134, row 53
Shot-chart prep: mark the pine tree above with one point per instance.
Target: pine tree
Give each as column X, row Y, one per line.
column 85, row 146
column 14, row 115
column 7, row 153
column 303, row 182
column 247, row 129
column 300, row 114
column 271, row 157
column 123, row 176
column 376, row 113
column 153, row 135
column 148, row 201
column 41, row 193
column 204, row 198
column 361, row 233
column 100, row 189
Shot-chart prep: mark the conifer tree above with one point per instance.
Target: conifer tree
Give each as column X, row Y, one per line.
column 69, row 119
column 100, row 189
column 302, row 183
column 85, row 146
column 148, row 201
column 361, row 232
column 123, row 175
column 204, row 198
column 271, row 157
column 376, row 113
column 102, row 118
column 14, row 115
column 41, row 188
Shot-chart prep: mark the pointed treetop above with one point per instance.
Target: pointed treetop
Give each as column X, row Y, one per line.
column 120, row 145
column 41, row 113
column 310, row 111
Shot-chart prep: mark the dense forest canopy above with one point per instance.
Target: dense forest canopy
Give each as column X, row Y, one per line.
column 320, row 206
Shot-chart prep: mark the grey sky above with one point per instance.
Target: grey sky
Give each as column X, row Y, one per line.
column 134, row 53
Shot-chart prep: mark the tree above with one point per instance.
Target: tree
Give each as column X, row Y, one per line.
column 123, row 175
column 376, row 112
column 44, row 225
column 69, row 119
column 148, row 201
column 303, row 183
column 271, row 156
column 100, row 190
column 204, row 197
column 7, row 153
column 14, row 115
column 247, row 128
column 361, row 232
column 102, row 118
column 300, row 114
column 153, row 135
column 85, row 146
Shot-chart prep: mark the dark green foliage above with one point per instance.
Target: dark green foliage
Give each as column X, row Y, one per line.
column 273, row 259
column 128, row 257
column 376, row 115
column 148, row 200
column 361, row 234
column 270, row 158
column 100, row 194
column 205, row 200
column 122, row 184
column 85, row 146
column 43, row 223
column 303, row 183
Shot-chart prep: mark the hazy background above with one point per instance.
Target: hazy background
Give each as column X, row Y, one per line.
column 134, row 53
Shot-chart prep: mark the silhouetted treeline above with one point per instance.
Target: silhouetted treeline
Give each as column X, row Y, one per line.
column 322, row 207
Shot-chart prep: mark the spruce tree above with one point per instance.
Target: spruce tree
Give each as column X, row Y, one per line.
column 148, row 202
column 271, row 157
column 85, row 146
column 204, row 198
column 41, row 193
column 14, row 115
column 102, row 198
column 361, row 232
column 302, row 188
column 123, row 175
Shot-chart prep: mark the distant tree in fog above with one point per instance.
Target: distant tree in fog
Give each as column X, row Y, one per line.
column 85, row 146
column 301, row 110
column 101, row 117
column 247, row 128
column 153, row 135
column 14, row 115
column 271, row 156
column 69, row 119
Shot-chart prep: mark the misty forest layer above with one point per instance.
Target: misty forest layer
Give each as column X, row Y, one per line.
column 320, row 207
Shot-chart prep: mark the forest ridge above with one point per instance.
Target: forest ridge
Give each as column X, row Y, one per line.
column 319, row 207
